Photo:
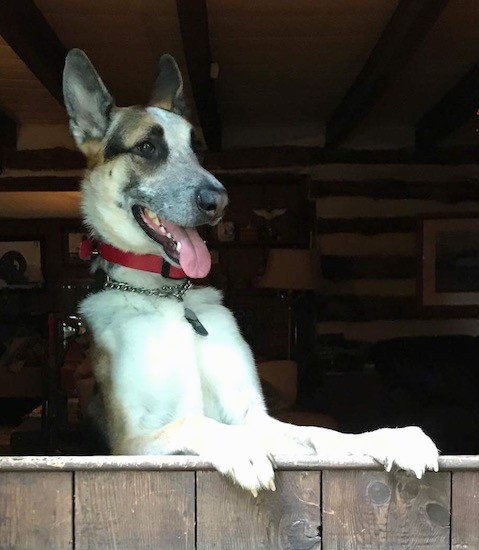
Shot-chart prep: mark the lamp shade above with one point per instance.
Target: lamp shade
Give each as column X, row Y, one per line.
column 290, row 268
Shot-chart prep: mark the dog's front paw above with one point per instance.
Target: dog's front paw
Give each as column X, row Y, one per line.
column 252, row 470
column 407, row 448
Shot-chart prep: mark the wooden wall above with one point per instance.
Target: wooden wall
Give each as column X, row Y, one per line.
column 367, row 232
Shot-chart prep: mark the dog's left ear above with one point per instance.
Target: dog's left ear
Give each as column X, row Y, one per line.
column 168, row 88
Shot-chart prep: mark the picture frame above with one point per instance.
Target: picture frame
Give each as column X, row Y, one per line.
column 21, row 263
column 71, row 246
column 449, row 261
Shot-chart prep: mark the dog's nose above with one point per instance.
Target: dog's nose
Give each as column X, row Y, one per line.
column 212, row 201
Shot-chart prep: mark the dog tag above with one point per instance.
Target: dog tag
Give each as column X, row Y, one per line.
column 195, row 322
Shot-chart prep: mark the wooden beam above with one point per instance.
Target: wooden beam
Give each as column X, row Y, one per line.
column 399, row 41
column 58, row 158
column 347, row 268
column 27, row 32
column 256, row 158
column 42, row 183
column 458, row 106
column 447, row 192
column 366, row 226
column 193, row 19
column 351, row 307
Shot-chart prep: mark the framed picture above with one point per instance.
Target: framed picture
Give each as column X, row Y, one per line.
column 21, row 264
column 449, row 274
column 72, row 243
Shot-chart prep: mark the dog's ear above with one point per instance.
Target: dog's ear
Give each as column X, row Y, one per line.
column 168, row 88
column 87, row 100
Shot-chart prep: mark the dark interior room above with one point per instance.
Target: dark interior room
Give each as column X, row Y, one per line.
column 345, row 134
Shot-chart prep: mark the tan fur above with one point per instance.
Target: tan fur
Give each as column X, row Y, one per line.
column 115, row 417
column 93, row 151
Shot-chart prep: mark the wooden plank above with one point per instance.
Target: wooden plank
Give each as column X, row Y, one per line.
column 193, row 20
column 229, row 518
column 351, row 307
column 354, row 207
column 369, row 510
column 56, row 158
column 36, row 510
column 441, row 191
column 195, row 463
column 357, row 244
column 341, row 268
column 365, row 226
column 140, row 510
column 465, row 511
column 398, row 43
column 453, row 110
column 26, row 31
column 41, row 183
column 257, row 158
column 375, row 331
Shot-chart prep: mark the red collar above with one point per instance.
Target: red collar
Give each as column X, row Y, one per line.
column 143, row 262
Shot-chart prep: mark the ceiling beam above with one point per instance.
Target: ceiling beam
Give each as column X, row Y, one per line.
column 193, row 19
column 398, row 43
column 27, row 32
column 457, row 106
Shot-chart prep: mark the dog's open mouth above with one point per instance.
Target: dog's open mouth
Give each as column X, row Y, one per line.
column 183, row 245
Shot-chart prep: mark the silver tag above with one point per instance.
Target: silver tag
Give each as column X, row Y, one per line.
column 195, row 322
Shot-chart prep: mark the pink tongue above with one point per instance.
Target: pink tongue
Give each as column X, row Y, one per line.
column 195, row 259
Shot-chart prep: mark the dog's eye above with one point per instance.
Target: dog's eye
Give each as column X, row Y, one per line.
column 145, row 148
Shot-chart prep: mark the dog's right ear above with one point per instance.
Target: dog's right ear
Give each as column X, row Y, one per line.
column 87, row 100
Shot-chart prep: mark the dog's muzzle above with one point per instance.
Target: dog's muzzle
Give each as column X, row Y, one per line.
column 212, row 201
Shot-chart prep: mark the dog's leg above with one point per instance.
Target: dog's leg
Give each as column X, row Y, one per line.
column 227, row 360
column 407, row 448
column 232, row 450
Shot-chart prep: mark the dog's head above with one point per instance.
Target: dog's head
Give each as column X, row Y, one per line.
column 145, row 190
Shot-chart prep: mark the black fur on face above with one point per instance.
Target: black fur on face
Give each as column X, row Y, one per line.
column 151, row 148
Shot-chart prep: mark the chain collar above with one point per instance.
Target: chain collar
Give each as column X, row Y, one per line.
column 177, row 291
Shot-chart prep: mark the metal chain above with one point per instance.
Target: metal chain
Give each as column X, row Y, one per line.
column 166, row 291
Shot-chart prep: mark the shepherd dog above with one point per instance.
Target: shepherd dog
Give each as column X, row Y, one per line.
column 175, row 375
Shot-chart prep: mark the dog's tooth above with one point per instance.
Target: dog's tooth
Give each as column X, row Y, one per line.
column 178, row 246
column 169, row 235
column 162, row 230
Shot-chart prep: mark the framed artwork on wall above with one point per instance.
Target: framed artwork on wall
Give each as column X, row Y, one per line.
column 21, row 264
column 72, row 241
column 449, row 261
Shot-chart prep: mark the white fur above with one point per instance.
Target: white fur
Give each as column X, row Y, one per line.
column 163, row 371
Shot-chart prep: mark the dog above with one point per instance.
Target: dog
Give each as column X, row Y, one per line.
column 175, row 374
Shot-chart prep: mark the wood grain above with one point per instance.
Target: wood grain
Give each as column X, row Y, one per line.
column 36, row 510
column 135, row 510
column 366, row 510
column 343, row 268
column 448, row 192
column 465, row 511
column 231, row 519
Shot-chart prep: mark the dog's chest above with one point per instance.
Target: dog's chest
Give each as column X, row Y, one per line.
column 160, row 366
